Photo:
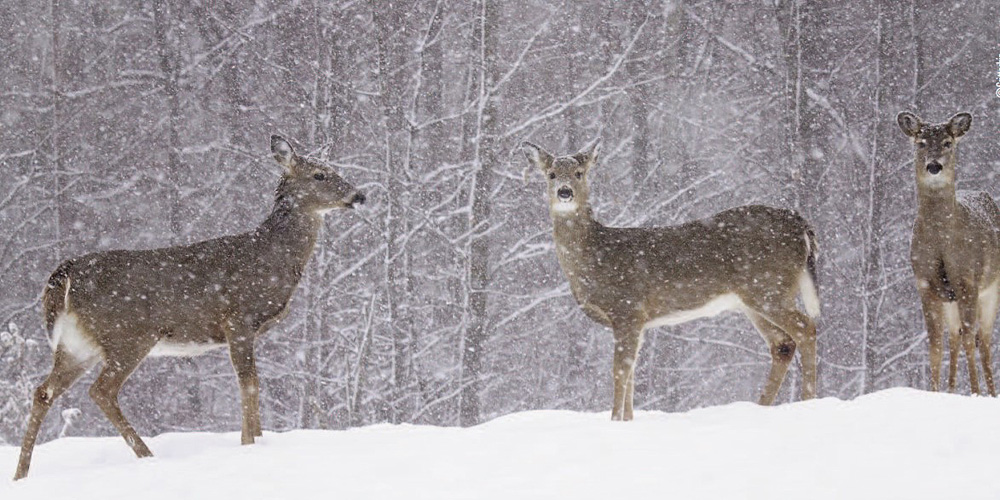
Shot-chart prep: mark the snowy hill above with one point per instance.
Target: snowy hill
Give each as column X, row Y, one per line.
column 899, row 443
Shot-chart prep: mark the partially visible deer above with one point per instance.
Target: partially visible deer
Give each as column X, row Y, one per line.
column 754, row 259
column 955, row 251
column 123, row 305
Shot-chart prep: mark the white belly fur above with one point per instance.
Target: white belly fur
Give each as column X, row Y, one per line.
column 189, row 349
column 69, row 335
column 718, row 305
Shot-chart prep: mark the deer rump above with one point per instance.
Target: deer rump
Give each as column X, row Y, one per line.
column 179, row 298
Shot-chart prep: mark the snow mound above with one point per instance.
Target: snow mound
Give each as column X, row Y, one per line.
column 899, row 443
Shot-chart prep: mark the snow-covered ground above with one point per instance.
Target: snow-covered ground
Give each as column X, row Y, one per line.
column 895, row 444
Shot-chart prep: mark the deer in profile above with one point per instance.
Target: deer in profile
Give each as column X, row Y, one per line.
column 754, row 259
column 118, row 307
column 955, row 251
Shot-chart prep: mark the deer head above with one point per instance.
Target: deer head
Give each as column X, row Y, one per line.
column 566, row 175
column 935, row 147
column 311, row 185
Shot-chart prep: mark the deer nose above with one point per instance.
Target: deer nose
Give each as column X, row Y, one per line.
column 564, row 193
column 934, row 168
column 358, row 198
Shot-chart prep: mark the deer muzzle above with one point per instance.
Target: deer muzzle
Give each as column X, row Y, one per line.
column 358, row 198
column 564, row 193
column 934, row 168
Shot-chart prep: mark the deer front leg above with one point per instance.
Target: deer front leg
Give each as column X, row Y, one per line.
column 951, row 318
column 630, row 387
column 953, row 350
column 623, row 366
column 241, row 353
column 933, row 321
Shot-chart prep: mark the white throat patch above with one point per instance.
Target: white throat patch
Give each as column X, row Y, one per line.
column 936, row 181
column 564, row 206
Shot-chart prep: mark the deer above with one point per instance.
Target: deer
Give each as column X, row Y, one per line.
column 954, row 251
column 752, row 259
column 121, row 306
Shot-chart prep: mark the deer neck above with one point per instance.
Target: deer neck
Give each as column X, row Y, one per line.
column 937, row 208
column 290, row 232
column 573, row 230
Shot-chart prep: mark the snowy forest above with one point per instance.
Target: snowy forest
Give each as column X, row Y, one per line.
column 440, row 301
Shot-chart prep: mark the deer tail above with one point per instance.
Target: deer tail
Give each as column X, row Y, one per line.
column 808, row 280
column 55, row 297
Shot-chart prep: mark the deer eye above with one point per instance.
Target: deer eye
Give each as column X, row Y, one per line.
column 947, row 144
column 922, row 143
column 579, row 175
column 319, row 176
column 552, row 175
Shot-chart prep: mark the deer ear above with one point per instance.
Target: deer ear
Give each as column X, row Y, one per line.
column 283, row 152
column 959, row 124
column 537, row 156
column 909, row 123
column 588, row 157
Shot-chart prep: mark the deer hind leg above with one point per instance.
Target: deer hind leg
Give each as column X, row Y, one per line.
column 988, row 303
column 66, row 370
column 105, row 391
column 802, row 329
column 782, row 348
column 623, row 370
column 241, row 353
column 806, row 343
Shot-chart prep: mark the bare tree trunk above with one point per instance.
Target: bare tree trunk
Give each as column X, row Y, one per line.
column 805, row 59
column 486, row 145
column 163, row 21
column 917, row 42
column 872, row 273
column 432, row 61
column 639, row 102
column 236, row 98
column 391, row 29
column 55, row 134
